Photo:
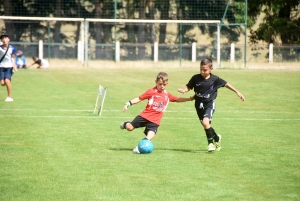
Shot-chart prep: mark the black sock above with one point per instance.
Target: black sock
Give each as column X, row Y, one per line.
column 216, row 137
column 209, row 135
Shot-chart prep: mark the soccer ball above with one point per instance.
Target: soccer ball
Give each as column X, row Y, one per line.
column 145, row 146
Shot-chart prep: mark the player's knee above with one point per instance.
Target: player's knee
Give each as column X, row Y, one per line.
column 129, row 127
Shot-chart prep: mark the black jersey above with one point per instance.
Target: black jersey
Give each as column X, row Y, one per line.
column 205, row 89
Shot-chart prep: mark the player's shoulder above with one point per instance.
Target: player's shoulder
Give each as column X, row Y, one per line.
column 11, row 47
column 151, row 90
column 214, row 77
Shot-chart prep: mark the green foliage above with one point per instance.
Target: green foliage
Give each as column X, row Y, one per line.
column 281, row 20
column 53, row 147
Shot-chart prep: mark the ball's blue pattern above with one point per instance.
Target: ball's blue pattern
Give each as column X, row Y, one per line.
column 145, row 146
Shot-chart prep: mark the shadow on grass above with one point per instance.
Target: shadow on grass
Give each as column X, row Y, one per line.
column 163, row 149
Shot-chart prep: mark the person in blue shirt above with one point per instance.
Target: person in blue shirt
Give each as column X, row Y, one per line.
column 21, row 60
column 7, row 65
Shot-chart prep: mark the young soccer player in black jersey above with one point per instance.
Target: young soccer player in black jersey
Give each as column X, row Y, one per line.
column 206, row 87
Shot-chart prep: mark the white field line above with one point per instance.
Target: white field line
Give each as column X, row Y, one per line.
column 176, row 118
column 124, row 117
column 168, row 111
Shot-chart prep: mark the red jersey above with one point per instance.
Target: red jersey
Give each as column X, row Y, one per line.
column 157, row 104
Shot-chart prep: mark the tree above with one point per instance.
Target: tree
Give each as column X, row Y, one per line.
column 281, row 22
column 8, row 12
column 141, row 30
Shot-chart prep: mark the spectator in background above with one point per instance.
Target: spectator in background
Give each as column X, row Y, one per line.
column 20, row 60
column 42, row 63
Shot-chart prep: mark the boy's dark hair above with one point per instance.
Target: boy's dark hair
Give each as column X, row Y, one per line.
column 206, row 61
column 35, row 58
column 162, row 76
column 3, row 35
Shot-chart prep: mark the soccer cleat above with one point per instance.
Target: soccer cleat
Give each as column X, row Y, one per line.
column 9, row 99
column 218, row 144
column 211, row 147
column 122, row 125
column 136, row 150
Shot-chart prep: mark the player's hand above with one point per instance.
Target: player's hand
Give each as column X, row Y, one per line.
column 241, row 96
column 125, row 108
column 181, row 90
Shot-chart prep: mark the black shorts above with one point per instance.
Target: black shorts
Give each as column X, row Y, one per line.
column 142, row 122
column 205, row 109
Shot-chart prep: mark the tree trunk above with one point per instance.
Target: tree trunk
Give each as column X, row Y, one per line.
column 163, row 16
column 131, row 31
column 57, row 30
column 9, row 27
column 98, row 28
column 152, row 26
column 141, row 31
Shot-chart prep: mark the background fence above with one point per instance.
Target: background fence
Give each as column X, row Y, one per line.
column 69, row 33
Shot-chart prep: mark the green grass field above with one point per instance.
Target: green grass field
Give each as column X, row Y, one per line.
column 53, row 147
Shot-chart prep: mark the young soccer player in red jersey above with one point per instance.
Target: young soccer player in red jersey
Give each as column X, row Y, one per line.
column 206, row 87
column 158, row 100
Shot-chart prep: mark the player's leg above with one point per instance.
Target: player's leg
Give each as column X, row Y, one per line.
column 211, row 107
column 137, row 122
column 7, row 81
column 150, row 135
column 150, row 132
column 2, row 77
column 204, row 122
column 8, row 87
column 208, row 111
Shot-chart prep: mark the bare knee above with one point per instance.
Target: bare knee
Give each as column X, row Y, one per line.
column 206, row 123
column 129, row 127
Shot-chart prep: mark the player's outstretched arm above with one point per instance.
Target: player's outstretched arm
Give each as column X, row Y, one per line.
column 181, row 99
column 131, row 102
column 229, row 86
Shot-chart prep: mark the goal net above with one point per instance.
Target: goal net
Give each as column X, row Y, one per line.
column 138, row 42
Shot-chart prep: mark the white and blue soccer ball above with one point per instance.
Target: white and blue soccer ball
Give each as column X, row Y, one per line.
column 145, row 146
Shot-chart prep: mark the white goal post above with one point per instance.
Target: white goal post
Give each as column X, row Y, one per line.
column 84, row 42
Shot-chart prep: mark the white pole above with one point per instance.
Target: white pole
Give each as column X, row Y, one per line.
column 232, row 53
column 86, row 44
column 155, row 51
column 41, row 49
column 79, row 51
column 219, row 47
column 82, row 41
column 117, row 51
column 271, row 53
column 193, row 52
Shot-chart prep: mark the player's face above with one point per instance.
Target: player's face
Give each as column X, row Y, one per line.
column 5, row 40
column 205, row 70
column 161, row 85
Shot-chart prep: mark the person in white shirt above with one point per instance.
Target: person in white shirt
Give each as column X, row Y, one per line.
column 42, row 63
column 7, row 64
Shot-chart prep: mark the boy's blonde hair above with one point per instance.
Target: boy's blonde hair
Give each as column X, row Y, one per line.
column 162, row 76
